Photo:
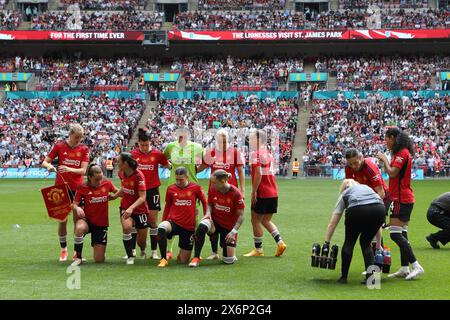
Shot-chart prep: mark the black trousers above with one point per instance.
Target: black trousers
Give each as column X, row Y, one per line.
column 441, row 219
column 361, row 222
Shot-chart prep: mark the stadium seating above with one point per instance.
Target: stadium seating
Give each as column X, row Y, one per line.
column 336, row 125
column 30, row 127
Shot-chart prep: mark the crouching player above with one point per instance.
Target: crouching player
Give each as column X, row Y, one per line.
column 93, row 216
column 180, row 216
column 224, row 217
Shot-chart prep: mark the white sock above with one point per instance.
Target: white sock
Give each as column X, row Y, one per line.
column 416, row 265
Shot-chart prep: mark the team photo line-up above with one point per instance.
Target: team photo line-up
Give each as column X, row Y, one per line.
column 364, row 197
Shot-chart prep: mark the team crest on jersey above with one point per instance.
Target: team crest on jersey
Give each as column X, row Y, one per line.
column 132, row 183
column 56, row 196
column 228, row 200
column 103, row 189
column 152, row 159
column 189, row 193
column 78, row 154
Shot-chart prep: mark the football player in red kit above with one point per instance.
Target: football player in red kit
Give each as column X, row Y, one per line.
column 228, row 158
column 401, row 194
column 73, row 159
column 179, row 216
column 93, row 215
column 133, row 207
column 264, row 194
column 365, row 171
column 149, row 161
column 224, row 217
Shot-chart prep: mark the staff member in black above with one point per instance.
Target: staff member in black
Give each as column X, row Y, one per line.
column 439, row 215
column 364, row 216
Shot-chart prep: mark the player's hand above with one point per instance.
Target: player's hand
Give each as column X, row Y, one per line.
column 51, row 168
column 80, row 212
column 127, row 213
column 253, row 197
column 63, row 169
column 112, row 197
column 382, row 156
column 230, row 237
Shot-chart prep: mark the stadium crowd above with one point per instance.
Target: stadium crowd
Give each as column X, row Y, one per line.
column 30, row 127
column 106, row 5
column 99, row 20
column 338, row 124
column 237, row 74
column 310, row 20
column 388, row 4
column 240, row 4
column 10, row 20
column 385, row 73
column 235, row 114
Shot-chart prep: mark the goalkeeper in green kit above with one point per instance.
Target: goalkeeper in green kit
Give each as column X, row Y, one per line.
column 183, row 153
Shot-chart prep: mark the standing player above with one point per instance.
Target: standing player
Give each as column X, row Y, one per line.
column 73, row 159
column 149, row 160
column 365, row 171
column 224, row 217
column 93, row 216
column 401, row 194
column 183, row 153
column 179, row 216
column 228, row 158
column 264, row 194
column 133, row 207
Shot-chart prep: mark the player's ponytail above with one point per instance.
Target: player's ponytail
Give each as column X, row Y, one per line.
column 128, row 158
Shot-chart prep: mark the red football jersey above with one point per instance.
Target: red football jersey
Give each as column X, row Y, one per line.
column 400, row 189
column 181, row 203
column 226, row 160
column 148, row 164
column 72, row 158
column 225, row 206
column 369, row 175
column 95, row 202
column 130, row 187
column 268, row 186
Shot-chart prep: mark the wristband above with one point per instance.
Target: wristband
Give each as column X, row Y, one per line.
column 234, row 231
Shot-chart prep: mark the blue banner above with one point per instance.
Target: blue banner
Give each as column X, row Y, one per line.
column 161, row 77
column 73, row 94
column 416, row 174
column 165, row 174
column 26, row 173
column 19, row 77
column 227, row 94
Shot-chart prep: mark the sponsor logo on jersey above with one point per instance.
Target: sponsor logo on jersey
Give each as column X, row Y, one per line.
column 71, row 162
column 98, row 200
column 128, row 191
column 222, row 208
column 182, row 203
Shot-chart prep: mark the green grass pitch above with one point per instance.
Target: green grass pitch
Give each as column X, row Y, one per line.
column 29, row 268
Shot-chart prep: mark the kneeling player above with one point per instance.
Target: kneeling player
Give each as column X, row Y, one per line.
column 224, row 217
column 180, row 216
column 93, row 216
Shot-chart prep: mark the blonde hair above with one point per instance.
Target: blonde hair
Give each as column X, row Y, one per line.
column 347, row 183
column 76, row 129
column 224, row 133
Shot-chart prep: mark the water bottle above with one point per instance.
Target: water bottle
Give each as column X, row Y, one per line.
column 324, row 255
column 387, row 260
column 333, row 257
column 315, row 256
column 379, row 259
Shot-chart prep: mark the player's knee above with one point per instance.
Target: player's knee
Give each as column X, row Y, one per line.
column 396, row 234
column 162, row 230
